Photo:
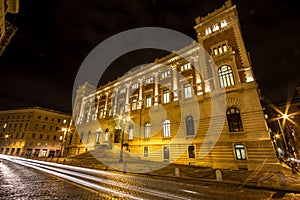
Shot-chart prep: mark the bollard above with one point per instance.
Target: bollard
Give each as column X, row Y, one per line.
column 93, row 165
column 147, row 169
column 57, row 160
column 219, row 175
column 72, row 162
column 177, row 172
column 64, row 162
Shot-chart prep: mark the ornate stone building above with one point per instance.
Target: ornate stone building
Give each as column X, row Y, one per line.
column 196, row 106
column 33, row 131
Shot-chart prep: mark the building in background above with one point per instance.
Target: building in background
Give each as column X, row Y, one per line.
column 33, row 132
column 140, row 112
column 284, row 121
column 7, row 30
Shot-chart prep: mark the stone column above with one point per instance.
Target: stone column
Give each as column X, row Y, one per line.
column 196, row 64
column 175, row 82
column 116, row 102
column 140, row 93
column 105, row 105
column 126, row 109
column 155, row 88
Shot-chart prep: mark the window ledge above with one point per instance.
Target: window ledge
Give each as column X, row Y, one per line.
column 237, row 134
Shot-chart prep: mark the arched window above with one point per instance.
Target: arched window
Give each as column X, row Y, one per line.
column 189, row 123
column 225, row 76
column 130, row 132
column 147, row 130
column 234, row 120
column 166, row 128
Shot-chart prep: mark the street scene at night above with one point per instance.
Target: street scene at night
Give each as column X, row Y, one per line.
column 158, row 99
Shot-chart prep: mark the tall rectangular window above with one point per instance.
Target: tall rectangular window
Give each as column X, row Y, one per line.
column 240, row 152
column 191, row 150
column 133, row 104
column 147, row 131
column 187, row 90
column 148, row 101
column 166, row 153
column 146, row 153
column 166, row 96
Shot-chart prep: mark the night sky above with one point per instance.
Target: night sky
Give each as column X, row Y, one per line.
column 54, row 37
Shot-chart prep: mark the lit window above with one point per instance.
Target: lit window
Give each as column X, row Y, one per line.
column 225, row 76
column 133, row 104
column 149, row 80
column 234, row 120
column 215, row 28
column 165, row 74
column 185, row 67
column 216, row 51
column 191, row 150
column 187, row 90
column 135, row 86
column 146, row 151
column 166, row 129
column 240, row 152
column 166, row 96
column 189, row 121
column 220, row 49
column 147, row 130
column 208, row 31
column 223, row 23
column 148, row 101
column 123, row 90
column 106, row 135
column 224, row 48
column 130, row 132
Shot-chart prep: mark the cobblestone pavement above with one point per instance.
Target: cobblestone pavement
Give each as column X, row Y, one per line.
column 19, row 182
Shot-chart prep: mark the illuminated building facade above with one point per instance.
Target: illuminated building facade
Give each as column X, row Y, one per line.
column 153, row 95
column 33, row 132
column 7, row 30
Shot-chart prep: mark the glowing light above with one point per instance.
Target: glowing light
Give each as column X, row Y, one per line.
column 249, row 79
column 285, row 116
column 277, row 135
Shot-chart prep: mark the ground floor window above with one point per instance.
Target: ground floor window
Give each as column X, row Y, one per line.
column 240, row 152
column 191, row 150
column 166, row 153
column 44, row 152
column 146, row 151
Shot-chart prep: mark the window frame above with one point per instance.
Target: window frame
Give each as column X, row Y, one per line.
column 166, row 129
column 226, row 77
column 234, row 120
column 240, row 152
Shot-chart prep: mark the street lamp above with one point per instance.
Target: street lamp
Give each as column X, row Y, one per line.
column 65, row 130
column 124, row 120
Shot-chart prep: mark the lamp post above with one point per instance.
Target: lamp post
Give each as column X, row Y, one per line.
column 124, row 120
column 65, row 131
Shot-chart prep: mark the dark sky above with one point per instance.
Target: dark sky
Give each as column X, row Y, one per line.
column 55, row 36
